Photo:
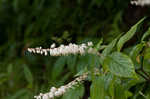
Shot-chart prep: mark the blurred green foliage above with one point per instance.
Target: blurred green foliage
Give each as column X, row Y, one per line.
column 30, row 23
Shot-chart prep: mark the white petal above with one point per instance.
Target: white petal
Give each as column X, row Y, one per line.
column 53, row 45
column 53, row 89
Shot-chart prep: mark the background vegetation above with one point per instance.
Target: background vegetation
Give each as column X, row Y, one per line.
column 31, row 23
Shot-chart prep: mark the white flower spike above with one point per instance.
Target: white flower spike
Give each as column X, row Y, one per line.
column 56, row 92
column 64, row 50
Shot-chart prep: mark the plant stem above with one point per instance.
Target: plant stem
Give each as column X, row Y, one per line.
column 146, row 76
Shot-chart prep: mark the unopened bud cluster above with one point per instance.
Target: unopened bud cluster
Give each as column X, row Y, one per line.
column 56, row 92
column 141, row 2
column 64, row 49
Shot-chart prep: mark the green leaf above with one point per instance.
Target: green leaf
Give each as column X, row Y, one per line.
column 98, row 45
column 129, row 83
column 111, row 87
column 128, row 94
column 71, row 62
column 97, row 90
column 75, row 93
column 28, row 75
column 108, row 49
column 147, row 33
column 120, row 64
column 128, row 35
column 119, row 92
column 58, row 67
column 89, row 61
column 109, row 84
column 147, row 53
column 136, row 50
column 81, row 72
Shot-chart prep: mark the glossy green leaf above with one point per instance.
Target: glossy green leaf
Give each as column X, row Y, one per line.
column 97, row 90
column 108, row 49
column 136, row 50
column 146, row 34
column 128, row 35
column 98, row 45
column 120, row 64
column 89, row 61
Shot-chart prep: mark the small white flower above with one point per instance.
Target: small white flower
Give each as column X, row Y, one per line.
column 78, row 79
column 62, row 46
column 45, row 52
column 38, row 97
column 58, row 93
column 69, row 86
column 51, row 95
column 53, row 45
column 74, row 83
column 61, row 50
column 45, row 96
column 30, row 50
column 83, row 45
column 63, row 87
column 61, row 90
column 81, row 51
column 53, row 89
column 41, row 52
column 35, row 97
column 41, row 94
column 90, row 44
column 38, row 50
column 33, row 50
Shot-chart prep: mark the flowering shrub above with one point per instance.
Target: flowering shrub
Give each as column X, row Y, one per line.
column 112, row 71
column 46, row 47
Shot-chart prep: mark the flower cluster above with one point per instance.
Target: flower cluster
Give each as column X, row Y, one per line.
column 64, row 49
column 56, row 92
column 141, row 2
